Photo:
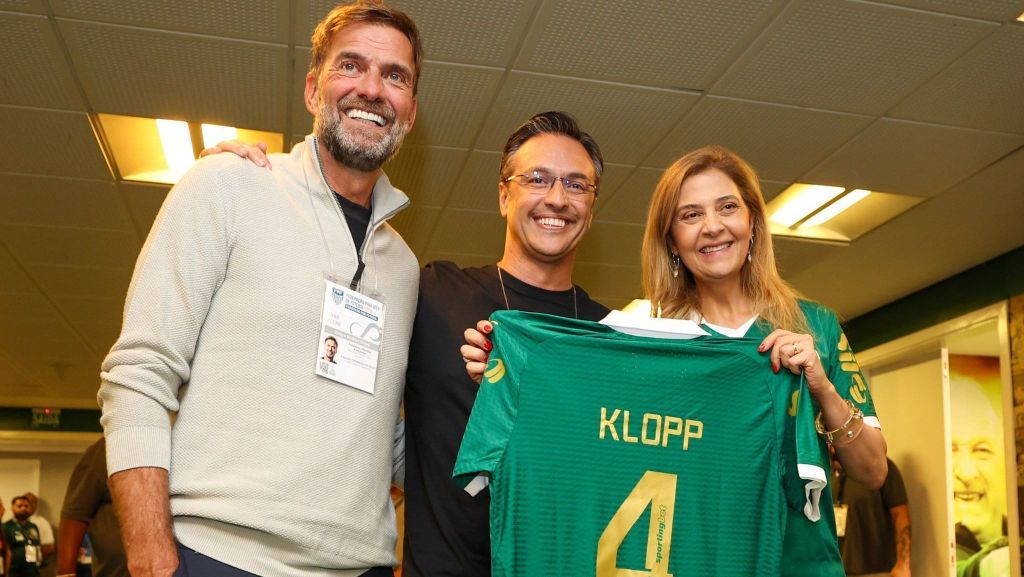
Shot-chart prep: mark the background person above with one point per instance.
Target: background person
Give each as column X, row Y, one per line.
column 24, row 548
column 46, row 537
column 89, row 510
column 873, row 526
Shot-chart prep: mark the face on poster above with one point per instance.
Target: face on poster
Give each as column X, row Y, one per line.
column 979, row 471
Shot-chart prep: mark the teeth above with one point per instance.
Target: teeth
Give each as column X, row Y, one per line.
column 548, row 221
column 364, row 115
column 719, row 248
column 967, row 495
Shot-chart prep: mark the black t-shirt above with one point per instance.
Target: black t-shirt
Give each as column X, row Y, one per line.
column 357, row 217
column 447, row 531
column 870, row 542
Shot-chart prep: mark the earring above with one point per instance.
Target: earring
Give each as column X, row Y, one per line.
column 676, row 263
column 750, row 257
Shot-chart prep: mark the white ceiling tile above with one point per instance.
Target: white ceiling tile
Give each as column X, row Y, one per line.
column 467, row 32
column 780, row 142
column 610, row 285
column 468, row 232
column 144, row 202
column 426, row 173
column 611, row 243
column 11, row 376
column 99, row 314
column 794, row 255
column 13, row 279
column 30, row 6
column 453, row 101
column 848, row 56
column 62, row 202
column 771, row 188
column 996, row 10
column 477, row 187
column 170, row 75
column 625, row 136
column 940, row 237
column 69, row 246
column 264, row 21
column 50, row 142
column 415, row 224
column 679, row 45
column 630, row 202
column 878, row 158
column 82, row 281
column 984, row 89
column 39, row 76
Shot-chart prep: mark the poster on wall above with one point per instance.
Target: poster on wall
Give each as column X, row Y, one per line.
column 979, row 470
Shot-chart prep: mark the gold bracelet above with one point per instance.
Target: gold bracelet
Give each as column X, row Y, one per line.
column 845, row 434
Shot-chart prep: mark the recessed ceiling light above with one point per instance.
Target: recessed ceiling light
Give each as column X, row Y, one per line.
column 160, row 151
column 800, row 200
column 831, row 211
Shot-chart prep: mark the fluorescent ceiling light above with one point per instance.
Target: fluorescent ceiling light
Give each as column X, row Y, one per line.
column 800, row 200
column 831, row 211
column 213, row 133
column 177, row 145
column 160, row 151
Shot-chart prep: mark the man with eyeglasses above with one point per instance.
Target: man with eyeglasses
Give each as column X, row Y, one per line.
column 549, row 177
column 550, row 172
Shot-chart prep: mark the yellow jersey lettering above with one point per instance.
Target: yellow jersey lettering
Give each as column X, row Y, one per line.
column 625, row 429
column 609, row 423
column 644, row 437
column 655, row 430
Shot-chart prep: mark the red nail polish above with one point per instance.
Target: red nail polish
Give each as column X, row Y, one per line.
column 775, row 368
column 488, row 346
column 487, row 329
column 760, row 348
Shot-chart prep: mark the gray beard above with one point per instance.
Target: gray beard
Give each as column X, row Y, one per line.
column 347, row 150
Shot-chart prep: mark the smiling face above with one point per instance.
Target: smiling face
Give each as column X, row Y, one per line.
column 978, row 480
column 711, row 228
column 363, row 96
column 330, row 348
column 546, row 225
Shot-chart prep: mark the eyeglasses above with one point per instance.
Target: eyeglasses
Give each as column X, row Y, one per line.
column 539, row 182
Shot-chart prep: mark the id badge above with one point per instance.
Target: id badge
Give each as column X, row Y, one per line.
column 32, row 554
column 351, row 333
column 840, row 520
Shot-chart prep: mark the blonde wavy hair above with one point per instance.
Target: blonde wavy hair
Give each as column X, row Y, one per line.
column 773, row 299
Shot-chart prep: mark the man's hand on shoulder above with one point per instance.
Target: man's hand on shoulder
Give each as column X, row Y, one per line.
column 256, row 153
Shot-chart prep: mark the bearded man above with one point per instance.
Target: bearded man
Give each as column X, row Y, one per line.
column 277, row 464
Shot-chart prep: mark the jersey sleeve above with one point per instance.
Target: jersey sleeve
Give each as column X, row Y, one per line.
column 807, row 467
column 839, row 360
column 494, row 411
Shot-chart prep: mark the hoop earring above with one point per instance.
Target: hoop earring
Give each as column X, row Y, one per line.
column 676, row 264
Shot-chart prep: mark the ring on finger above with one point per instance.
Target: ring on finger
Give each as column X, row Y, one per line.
column 796, row 348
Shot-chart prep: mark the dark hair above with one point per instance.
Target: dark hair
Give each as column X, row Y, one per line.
column 331, row 339
column 553, row 122
column 365, row 12
column 21, row 498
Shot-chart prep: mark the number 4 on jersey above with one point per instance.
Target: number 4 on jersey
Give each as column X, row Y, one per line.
column 654, row 488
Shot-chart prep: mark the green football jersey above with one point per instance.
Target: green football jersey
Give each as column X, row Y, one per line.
column 812, row 549
column 616, row 455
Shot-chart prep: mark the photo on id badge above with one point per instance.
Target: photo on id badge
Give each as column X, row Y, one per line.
column 350, row 337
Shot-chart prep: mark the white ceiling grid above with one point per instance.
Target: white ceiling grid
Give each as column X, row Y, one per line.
column 918, row 97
